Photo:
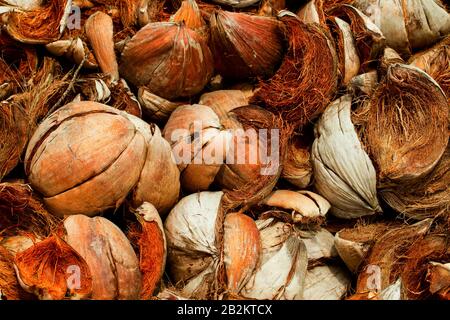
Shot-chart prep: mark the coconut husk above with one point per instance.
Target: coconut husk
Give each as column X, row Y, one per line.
column 344, row 173
column 429, row 197
column 14, row 135
column 384, row 264
column 46, row 270
column 155, row 107
column 245, row 45
column 407, row 129
column 270, row 8
column 297, row 167
column 408, row 25
column 295, row 91
column 40, row 25
column 312, row 12
column 17, row 64
column 21, row 210
column 73, row 49
column 369, row 40
column 436, row 62
column 150, row 242
column 353, row 244
column 438, row 277
column 326, row 282
column 417, row 281
column 9, row 286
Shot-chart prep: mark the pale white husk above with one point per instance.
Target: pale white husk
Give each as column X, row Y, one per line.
column 407, row 24
column 283, row 264
column 190, row 232
column 237, row 3
column 351, row 252
column 392, row 292
column 326, row 283
column 352, row 62
column 344, row 173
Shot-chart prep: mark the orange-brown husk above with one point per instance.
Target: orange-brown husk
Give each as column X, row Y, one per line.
column 9, row 286
column 436, row 248
column 21, row 210
column 148, row 240
column 295, row 91
column 50, row 268
column 384, row 263
column 253, row 192
column 407, row 129
column 38, row 26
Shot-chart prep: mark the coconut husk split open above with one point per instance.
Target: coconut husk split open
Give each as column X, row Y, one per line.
column 408, row 25
column 22, row 211
column 369, row 40
column 294, row 91
column 148, row 237
column 407, row 128
column 9, row 285
column 384, row 264
column 40, row 25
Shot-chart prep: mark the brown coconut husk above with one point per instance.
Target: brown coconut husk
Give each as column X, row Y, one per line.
column 9, row 286
column 427, row 198
column 17, row 64
column 295, row 91
column 407, row 129
column 41, row 25
column 433, row 248
column 253, row 192
column 46, row 268
column 21, row 210
column 147, row 237
column 13, row 135
column 436, row 62
column 369, row 40
column 384, row 263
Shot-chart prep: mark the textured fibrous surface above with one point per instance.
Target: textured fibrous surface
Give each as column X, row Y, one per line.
column 169, row 58
column 76, row 154
column 407, row 128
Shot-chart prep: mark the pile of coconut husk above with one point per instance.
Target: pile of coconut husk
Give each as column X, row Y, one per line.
column 224, row 149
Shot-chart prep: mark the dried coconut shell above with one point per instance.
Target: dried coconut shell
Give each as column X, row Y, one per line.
column 74, row 50
column 99, row 31
column 53, row 270
column 40, row 25
column 109, row 255
column 326, row 283
column 82, row 190
column 369, row 39
column 281, row 272
column 407, row 25
column 295, row 92
column 406, row 133
column 344, row 173
column 383, row 265
column 170, row 59
column 210, row 253
column 245, row 45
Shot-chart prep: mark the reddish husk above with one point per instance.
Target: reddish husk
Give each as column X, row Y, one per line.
column 38, row 26
column 385, row 259
column 148, row 240
column 255, row 191
column 433, row 248
column 296, row 91
column 50, row 268
column 20, row 210
column 9, row 286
